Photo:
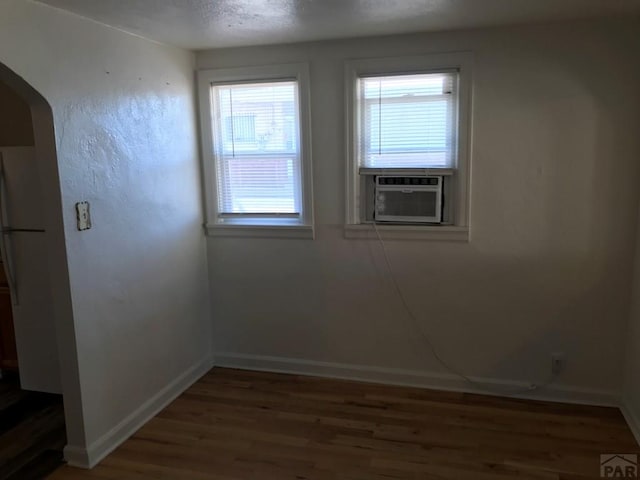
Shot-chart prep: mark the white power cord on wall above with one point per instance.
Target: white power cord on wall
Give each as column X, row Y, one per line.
column 416, row 324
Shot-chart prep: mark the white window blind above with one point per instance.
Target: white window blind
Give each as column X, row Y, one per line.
column 257, row 149
column 408, row 120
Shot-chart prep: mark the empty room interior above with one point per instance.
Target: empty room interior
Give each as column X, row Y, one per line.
column 319, row 239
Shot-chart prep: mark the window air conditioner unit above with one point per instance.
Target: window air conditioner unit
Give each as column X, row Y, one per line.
column 408, row 199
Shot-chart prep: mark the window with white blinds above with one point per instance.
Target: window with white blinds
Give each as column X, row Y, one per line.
column 257, row 149
column 408, row 121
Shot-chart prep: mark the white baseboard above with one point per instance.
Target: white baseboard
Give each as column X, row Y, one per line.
column 631, row 418
column 415, row 378
column 79, row 456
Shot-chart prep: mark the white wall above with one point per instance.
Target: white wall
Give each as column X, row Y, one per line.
column 553, row 213
column 126, row 141
column 631, row 392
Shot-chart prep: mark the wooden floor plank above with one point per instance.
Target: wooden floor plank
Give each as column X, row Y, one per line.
column 32, row 432
column 244, row 425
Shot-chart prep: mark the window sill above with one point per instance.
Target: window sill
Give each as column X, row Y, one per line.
column 446, row 233
column 407, row 171
column 260, row 231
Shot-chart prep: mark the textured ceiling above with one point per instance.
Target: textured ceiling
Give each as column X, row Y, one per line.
column 200, row 24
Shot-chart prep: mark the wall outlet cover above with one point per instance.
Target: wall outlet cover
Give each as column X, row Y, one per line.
column 83, row 216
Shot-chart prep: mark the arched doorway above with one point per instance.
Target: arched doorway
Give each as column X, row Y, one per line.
column 26, row 292
column 34, row 263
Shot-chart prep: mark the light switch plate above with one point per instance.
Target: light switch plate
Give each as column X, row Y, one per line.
column 83, row 216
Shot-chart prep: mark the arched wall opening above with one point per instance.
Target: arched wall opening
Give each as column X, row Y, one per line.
column 42, row 137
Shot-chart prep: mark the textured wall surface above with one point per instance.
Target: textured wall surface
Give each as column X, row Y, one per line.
column 126, row 140
column 554, row 194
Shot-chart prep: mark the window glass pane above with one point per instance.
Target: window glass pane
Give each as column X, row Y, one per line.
column 242, row 130
column 257, row 148
column 408, row 121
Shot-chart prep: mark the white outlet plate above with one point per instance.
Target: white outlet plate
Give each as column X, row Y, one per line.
column 83, row 216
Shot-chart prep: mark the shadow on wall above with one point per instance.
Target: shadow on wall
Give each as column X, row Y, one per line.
column 488, row 331
column 16, row 125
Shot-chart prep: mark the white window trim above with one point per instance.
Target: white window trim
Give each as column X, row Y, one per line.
column 462, row 61
column 267, row 227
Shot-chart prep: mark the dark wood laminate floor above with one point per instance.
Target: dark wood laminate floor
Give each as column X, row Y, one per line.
column 243, row 425
column 32, row 432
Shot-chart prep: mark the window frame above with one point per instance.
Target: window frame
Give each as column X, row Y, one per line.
column 258, row 226
column 458, row 230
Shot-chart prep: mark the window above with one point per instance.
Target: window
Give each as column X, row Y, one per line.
column 408, row 117
column 256, row 151
column 408, row 120
column 240, row 128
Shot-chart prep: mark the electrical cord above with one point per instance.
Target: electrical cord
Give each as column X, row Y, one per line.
column 417, row 325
